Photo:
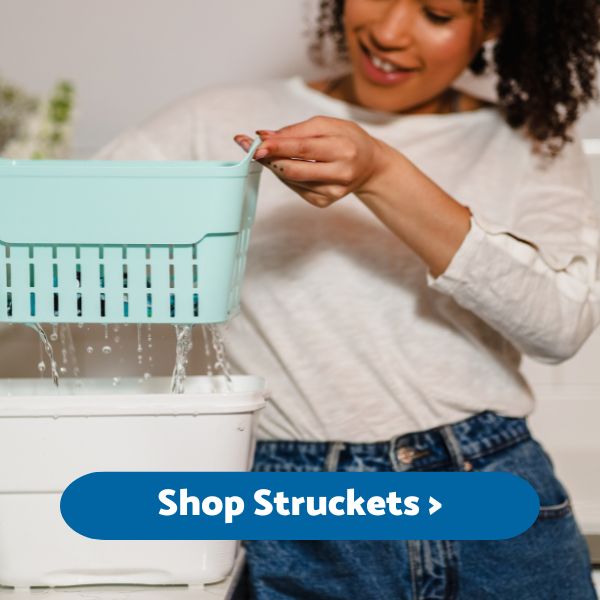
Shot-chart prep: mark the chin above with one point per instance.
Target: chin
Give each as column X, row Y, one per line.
column 385, row 100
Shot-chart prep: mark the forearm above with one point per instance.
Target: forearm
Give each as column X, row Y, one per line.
column 532, row 277
column 417, row 210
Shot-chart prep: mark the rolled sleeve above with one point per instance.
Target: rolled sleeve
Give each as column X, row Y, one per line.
column 546, row 312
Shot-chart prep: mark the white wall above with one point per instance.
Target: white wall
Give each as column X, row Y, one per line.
column 130, row 57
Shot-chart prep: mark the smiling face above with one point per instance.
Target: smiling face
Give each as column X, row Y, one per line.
column 406, row 53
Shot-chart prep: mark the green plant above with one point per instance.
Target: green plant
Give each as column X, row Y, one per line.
column 35, row 128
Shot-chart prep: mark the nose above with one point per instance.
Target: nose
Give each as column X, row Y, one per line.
column 392, row 30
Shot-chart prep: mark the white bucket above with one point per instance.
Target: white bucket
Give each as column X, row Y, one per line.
column 50, row 437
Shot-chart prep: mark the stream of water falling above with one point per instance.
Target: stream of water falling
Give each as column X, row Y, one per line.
column 71, row 351
column 218, row 345
column 183, row 334
column 207, row 352
column 213, row 337
column 49, row 352
column 214, row 349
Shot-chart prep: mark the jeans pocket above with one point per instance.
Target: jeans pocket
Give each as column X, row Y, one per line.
column 530, row 461
column 554, row 499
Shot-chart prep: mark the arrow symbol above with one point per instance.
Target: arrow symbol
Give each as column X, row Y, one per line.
column 435, row 505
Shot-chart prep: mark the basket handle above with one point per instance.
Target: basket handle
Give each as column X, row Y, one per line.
column 255, row 144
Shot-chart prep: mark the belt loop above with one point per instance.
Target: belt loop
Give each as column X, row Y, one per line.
column 333, row 456
column 453, row 447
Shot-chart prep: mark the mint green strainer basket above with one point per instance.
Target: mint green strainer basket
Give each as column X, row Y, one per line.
column 124, row 241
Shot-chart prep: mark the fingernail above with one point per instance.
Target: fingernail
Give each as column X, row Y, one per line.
column 261, row 153
column 265, row 132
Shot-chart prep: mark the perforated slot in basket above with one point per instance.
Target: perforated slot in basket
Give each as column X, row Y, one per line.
column 96, row 284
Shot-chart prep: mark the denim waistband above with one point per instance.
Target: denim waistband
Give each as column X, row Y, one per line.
column 450, row 446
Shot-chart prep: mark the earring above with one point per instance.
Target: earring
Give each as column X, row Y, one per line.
column 479, row 64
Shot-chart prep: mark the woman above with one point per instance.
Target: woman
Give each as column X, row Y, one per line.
column 458, row 236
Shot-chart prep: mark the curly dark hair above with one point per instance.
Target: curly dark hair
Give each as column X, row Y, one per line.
column 545, row 57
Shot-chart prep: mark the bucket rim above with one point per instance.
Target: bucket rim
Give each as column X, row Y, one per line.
column 33, row 397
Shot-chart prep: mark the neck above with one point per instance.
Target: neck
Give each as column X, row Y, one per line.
column 449, row 101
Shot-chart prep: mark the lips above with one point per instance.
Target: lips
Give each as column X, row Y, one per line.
column 381, row 72
column 380, row 61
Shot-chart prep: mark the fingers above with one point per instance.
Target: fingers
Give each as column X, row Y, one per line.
column 310, row 195
column 317, row 181
column 315, row 126
column 294, row 169
column 321, row 149
column 245, row 142
column 305, row 171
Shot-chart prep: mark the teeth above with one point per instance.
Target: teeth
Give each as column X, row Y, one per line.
column 385, row 66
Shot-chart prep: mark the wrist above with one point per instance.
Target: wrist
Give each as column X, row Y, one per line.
column 415, row 209
column 388, row 164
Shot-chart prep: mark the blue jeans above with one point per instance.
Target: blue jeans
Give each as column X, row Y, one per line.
column 550, row 561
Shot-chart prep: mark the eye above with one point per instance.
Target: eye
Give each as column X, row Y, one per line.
column 436, row 18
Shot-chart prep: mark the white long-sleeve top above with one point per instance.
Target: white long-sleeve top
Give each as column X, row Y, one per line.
column 357, row 340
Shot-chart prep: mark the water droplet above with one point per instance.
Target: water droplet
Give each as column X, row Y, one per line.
column 117, row 339
column 79, row 325
column 147, row 376
column 63, row 370
column 106, row 349
column 41, row 366
column 89, row 350
column 116, row 381
column 54, row 333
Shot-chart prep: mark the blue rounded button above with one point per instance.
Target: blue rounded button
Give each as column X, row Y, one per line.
column 300, row 506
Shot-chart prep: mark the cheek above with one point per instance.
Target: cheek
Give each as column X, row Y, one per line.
column 447, row 48
column 357, row 11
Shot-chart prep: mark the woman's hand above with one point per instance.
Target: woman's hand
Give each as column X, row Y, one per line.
column 323, row 159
